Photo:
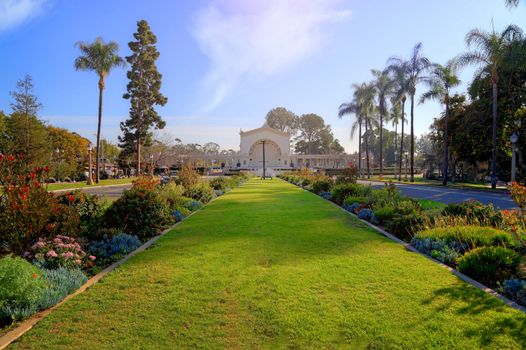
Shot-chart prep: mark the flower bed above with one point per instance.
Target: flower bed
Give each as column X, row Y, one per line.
column 484, row 243
column 49, row 244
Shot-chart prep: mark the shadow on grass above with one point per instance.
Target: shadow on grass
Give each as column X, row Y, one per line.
column 504, row 321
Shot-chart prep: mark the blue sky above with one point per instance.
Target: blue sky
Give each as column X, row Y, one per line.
column 225, row 63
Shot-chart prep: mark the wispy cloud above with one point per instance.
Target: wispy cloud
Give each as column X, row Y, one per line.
column 16, row 12
column 253, row 38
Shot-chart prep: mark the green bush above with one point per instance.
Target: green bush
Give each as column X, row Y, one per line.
column 59, row 284
column 171, row 193
column 352, row 199
column 201, row 192
column 385, row 214
column 140, row 212
column 21, row 286
column 490, row 265
column 475, row 213
column 470, row 236
column 321, row 185
column 342, row 191
column 404, row 226
column 224, row 183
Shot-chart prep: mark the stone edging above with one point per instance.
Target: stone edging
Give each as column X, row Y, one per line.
column 409, row 247
column 26, row 325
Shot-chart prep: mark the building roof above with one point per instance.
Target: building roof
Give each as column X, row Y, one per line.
column 264, row 127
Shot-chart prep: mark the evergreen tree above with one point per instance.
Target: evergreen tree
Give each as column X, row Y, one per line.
column 143, row 91
column 25, row 104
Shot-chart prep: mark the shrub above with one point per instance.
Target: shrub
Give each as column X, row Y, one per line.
column 139, row 211
column 470, row 236
column 178, row 215
column 404, row 226
column 348, row 175
column 146, row 183
column 367, row 214
column 193, row 205
column 352, row 207
column 515, row 290
column 27, row 210
column 518, row 194
column 353, row 199
column 121, row 244
column 200, row 192
column 21, row 286
column 222, row 183
column 439, row 249
column 89, row 208
column 342, row 191
column 171, row 193
column 490, row 265
column 187, row 176
column 475, row 213
column 219, row 193
column 326, row 195
column 321, row 185
column 61, row 251
column 385, row 214
column 59, row 284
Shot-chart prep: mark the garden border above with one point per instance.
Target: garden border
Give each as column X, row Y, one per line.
column 27, row 325
column 409, row 247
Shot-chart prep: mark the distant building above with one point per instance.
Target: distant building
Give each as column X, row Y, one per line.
column 275, row 144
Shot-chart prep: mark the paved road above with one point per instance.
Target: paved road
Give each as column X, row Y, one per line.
column 450, row 195
column 113, row 191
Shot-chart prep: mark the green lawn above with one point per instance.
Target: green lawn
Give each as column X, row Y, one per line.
column 83, row 184
column 269, row 266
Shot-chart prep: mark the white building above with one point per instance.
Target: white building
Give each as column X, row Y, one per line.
column 274, row 145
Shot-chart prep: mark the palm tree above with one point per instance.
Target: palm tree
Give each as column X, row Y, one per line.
column 415, row 68
column 101, row 58
column 383, row 86
column 442, row 79
column 396, row 117
column 352, row 108
column 365, row 95
column 400, row 90
column 512, row 3
column 490, row 53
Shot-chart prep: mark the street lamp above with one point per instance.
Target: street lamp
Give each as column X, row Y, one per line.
column 90, row 181
column 57, row 152
column 513, row 138
column 114, row 167
column 151, row 164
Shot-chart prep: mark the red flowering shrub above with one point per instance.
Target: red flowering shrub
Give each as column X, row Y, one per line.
column 146, row 183
column 61, row 251
column 28, row 210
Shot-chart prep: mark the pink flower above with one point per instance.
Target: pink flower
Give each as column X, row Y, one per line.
column 78, row 262
column 51, row 254
column 92, row 257
column 67, row 255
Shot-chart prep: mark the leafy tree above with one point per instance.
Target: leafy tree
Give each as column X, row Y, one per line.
column 315, row 137
column 282, row 119
column 25, row 104
column 490, row 53
column 512, row 3
column 383, row 86
column 101, row 58
column 143, row 91
column 442, row 80
column 414, row 69
column 69, row 152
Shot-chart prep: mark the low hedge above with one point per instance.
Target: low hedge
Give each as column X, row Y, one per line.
column 470, row 236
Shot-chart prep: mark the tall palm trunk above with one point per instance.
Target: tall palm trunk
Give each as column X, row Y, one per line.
column 101, row 89
column 446, row 142
column 401, row 141
column 367, row 147
column 381, row 142
column 395, row 144
column 494, row 138
column 359, row 146
column 412, row 178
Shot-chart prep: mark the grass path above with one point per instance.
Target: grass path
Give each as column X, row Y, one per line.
column 269, row 266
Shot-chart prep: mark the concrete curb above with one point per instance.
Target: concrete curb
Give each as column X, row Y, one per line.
column 26, row 325
column 489, row 190
column 409, row 247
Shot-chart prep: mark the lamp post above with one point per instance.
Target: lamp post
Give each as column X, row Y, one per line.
column 513, row 138
column 406, row 163
column 114, row 168
column 264, row 163
column 151, row 164
column 90, row 182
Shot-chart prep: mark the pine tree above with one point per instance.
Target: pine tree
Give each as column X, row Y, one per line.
column 143, row 91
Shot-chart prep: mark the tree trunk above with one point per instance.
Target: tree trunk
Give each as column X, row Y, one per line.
column 367, row 148
column 359, row 146
column 381, row 142
column 138, row 156
column 446, row 142
column 401, row 142
column 101, row 89
column 412, row 176
column 494, row 139
column 395, row 144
